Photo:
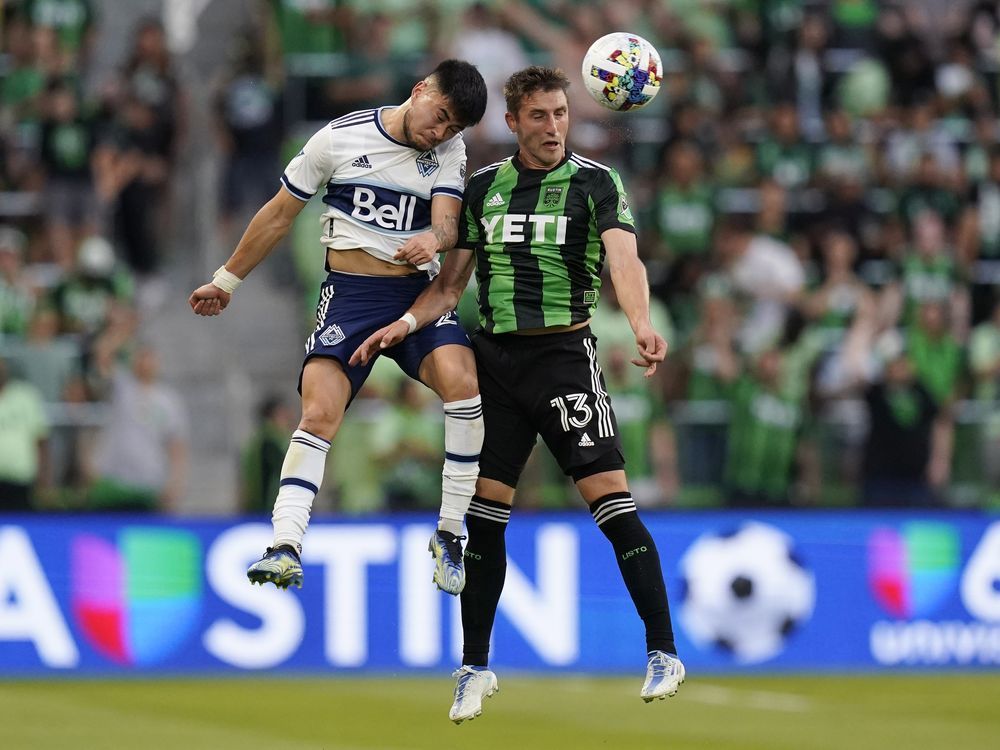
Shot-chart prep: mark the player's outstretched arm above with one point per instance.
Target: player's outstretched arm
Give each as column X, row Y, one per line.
column 439, row 297
column 270, row 224
column 628, row 274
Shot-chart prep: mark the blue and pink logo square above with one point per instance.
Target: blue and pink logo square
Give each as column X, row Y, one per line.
column 137, row 601
column 913, row 569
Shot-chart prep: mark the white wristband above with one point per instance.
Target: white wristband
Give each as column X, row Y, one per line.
column 410, row 321
column 225, row 280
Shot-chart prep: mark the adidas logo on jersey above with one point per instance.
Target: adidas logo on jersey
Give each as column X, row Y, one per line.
column 496, row 200
column 585, row 441
column 362, row 161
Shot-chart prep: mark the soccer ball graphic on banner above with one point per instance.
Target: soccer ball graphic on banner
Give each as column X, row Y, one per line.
column 622, row 71
column 745, row 592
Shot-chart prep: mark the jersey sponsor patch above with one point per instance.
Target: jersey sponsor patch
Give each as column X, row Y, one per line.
column 589, row 297
column 362, row 161
column 585, row 441
column 496, row 200
column 427, row 163
column 380, row 207
column 525, row 228
column 332, row 336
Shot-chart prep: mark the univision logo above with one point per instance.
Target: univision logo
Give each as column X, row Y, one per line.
column 137, row 601
column 913, row 569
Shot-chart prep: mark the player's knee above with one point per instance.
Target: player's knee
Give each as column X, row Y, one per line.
column 605, row 474
column 467, row 386
column 320, row 420
column 459, row 386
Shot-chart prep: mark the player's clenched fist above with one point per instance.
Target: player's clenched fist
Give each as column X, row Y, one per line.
column 208, row 299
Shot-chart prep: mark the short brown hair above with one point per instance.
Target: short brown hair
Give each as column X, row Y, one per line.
column 526, row 82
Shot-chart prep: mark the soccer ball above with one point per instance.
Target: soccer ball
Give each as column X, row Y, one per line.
column 745, row 592
column 622, row 71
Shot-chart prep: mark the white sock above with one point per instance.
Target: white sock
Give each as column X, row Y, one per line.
column 301, row 477
column 463, row 440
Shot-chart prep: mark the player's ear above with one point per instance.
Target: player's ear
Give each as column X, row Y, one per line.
column 511, row 121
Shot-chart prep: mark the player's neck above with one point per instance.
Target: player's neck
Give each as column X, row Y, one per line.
column 392, row 120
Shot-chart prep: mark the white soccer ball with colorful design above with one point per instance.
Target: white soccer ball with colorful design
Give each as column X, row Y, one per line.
column 622, row 71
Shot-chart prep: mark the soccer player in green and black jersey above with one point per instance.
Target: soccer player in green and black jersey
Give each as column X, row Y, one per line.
column 539, row 227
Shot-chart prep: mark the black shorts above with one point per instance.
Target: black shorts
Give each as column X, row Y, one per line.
column 548, row 385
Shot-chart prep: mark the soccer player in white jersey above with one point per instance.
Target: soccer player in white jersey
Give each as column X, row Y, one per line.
column 394, row 180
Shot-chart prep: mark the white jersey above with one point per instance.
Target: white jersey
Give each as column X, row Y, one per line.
column 378, row 190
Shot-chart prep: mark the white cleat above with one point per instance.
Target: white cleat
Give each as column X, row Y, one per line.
column 664, row 674
column 473, row 685
column 449, row 565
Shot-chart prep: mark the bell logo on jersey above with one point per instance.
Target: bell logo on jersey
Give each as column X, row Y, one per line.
column 516, row 228
column 387, row 216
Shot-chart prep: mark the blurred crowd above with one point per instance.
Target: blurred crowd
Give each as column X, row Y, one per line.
column 817, row 190
column 85, row 169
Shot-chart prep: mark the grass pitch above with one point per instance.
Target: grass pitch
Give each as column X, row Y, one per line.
column 958, row 712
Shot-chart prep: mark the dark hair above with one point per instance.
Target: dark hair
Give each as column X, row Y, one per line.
column 526, row 82
column 463, row 85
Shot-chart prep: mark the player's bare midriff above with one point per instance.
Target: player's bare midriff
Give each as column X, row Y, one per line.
column 358, row 261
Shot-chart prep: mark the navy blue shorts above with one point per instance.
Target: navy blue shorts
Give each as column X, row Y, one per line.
column 353, row 307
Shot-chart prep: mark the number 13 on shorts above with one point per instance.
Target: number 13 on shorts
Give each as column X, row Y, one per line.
column 581, row 412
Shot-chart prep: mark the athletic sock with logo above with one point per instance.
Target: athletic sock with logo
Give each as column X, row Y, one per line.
column 485, row 570
column 639, row 562
column 301, row 477
column 463, row 440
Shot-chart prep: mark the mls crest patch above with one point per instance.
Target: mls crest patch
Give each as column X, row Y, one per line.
column 623, row 209
column 552, row 196
column 426, row 163
column 332, row 335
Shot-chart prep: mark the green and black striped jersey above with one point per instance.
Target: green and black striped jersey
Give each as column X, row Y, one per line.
column 537, row 239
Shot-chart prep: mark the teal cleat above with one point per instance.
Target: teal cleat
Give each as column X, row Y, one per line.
column 664, row 674
column 449, row 571
column 279, row 565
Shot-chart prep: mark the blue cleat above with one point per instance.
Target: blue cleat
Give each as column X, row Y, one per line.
column 279, row 565
column 449, row 571
column 664, row 674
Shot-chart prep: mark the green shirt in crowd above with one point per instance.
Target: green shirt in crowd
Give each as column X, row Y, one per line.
column 763, row 435
column 300, row 34
column 685, row 218
column 22, row 424
column 925, row 280
column 404, row 438
column 70, row 18
column 938, row 362
column 790, row 165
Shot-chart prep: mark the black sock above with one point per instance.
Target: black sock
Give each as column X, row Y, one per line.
column 485, row 569
column 639, row 563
